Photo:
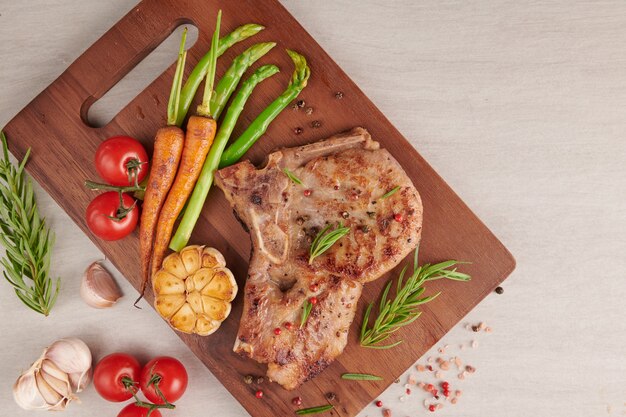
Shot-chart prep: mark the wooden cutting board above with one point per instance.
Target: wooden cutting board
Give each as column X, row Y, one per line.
column 63, row 145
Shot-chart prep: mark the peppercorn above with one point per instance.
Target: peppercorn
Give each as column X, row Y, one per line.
column 307, row 193
column 309, row 110
column 430, row 387
column 298, row 130
column 331, row 396
column 499, row 290
column 296, row 401
column 315, row 124
column 260, row 380
column 379, row 403
column 288, row 325
column 397, row 217
column 277, row 331
column 475, row 328
column 300, row 103
column 259, row 394
column 345, row 214
column 247, row 379
column 338, row 95
column 314, row 287
column 313, row 300
column 432, row 407
column 445, row 385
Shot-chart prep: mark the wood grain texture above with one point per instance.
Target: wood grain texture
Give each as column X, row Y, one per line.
column 451, row 230
column 519, row 106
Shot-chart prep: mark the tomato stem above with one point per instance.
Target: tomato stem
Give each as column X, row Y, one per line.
column 130, row 386
column 132, row 169
column 92, row 185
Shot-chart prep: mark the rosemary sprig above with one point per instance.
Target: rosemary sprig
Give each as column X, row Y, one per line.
column 403, row 309
column 292, row 176
column 390, row 193
column 325, row 239
column 314, row 410
column 361, row 377
column 25, row 237
column 306, row 312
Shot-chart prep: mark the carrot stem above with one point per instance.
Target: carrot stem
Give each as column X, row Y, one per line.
column 173, row 102
column 204, row 109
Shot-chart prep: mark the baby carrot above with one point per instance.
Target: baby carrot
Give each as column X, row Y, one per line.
column 168, row 145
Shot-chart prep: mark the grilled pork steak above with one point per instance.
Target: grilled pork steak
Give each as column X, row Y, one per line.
column 344, row 179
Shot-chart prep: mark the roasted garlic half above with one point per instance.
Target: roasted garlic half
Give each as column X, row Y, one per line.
column 193, row 290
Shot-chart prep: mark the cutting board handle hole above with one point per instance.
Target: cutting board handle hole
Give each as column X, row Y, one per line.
column 102, row 111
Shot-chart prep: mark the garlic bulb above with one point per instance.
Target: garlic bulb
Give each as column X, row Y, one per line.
column 50, row 383
column 98, row 288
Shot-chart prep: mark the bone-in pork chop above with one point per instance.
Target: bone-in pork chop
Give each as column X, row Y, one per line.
column 343, row 179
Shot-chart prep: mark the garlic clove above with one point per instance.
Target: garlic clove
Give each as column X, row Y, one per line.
column 98, row 287
column 51, row 369
column 50, row 396
column 26, row 394
column 60, row 386
column 79, row 380
column 70, row 355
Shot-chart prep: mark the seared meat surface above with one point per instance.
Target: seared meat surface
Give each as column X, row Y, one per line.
column 343, row 179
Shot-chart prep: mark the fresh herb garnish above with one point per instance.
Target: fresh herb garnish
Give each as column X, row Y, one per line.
column 292, row 176
column 325, row 239
column 314, row 410
column 403, row 309
column 306, row 311
column 361, row 377
column 390, row 193
column 26, row 238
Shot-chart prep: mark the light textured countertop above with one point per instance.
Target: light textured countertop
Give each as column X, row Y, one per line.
column 520, row 106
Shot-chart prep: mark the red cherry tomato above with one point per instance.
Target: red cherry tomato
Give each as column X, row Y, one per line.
column 171, row 376
column 120, row 159
column 133, row 410
column 102, row 211
column 109, row 375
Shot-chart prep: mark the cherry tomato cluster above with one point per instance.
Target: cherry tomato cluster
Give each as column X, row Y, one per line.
column 119, row 377
column 122, row 162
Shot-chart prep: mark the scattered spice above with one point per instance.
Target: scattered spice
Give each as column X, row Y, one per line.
column 296, row 401
column 458, row 393
column 260, row 380
column 330, row 396
column 248, row 379
column 338, row 95
column 462, row 375
column 397, row 217
column 259, row 394
column 345, row 214
column 309, row 111
column 316, row 124
column 371, row 214
column 277, row 331
column 432, row 407
column 474, row 344
column 420, row 368
column 314, row 288
column 288, row 325
column 429, row 367
column 445, row 385
column 470, row 369
column 454, row 400
column 298, row 130
column 458, row 362
column 438, row 374
column 307, row 193
column 499, row 290
column 300, row 103
column 445, row 365
column 408, row 391
column 378, row 403
column 313, row 300
column 475, row 328
column 386, row 412
column 411, row 380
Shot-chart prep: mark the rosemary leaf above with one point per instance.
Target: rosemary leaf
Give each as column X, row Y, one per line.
column 306, row 312
column 402, row 310
column 25, row 237
column 325, row 239
column 390, row 193
column 292, row 176
column 361, row 377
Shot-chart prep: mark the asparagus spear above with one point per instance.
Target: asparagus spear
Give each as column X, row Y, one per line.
column 233, row 75
column 259, row 126
column 203, row 185
column 197, row 75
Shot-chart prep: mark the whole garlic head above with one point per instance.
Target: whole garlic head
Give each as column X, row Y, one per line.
column 50, row 382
